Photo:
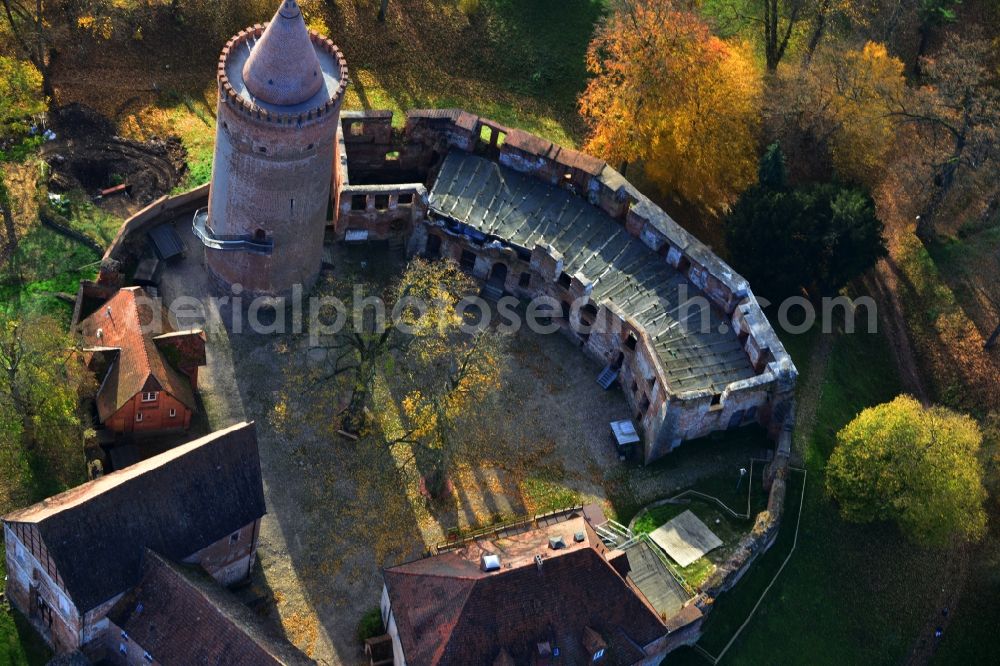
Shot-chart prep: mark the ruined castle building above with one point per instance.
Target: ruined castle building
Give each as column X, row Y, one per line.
column 675, row 326
column 275, row 175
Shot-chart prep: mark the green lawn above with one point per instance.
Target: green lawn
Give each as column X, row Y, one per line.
column 51, row 264
column 730, row 530
column 971, row 637
column 851, row 593
column 518, row 62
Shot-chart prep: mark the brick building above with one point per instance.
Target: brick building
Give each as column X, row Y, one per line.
column 275, row 174
column 148, row 372
column 554, row 594
column 71, row 557
column 177, row 615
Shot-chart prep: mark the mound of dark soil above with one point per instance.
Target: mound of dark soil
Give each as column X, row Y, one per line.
column 77, row 121
column 87, row 154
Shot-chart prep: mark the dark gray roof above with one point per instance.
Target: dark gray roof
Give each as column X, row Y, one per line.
column 179, row 615
column 175, row 503
column 524, row 211
column 166, row 243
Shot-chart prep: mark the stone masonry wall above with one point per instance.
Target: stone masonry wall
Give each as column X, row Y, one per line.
column 386, row 212
column 26, row 570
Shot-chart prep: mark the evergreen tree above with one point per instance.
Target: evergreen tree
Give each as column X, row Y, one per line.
column 815, row 238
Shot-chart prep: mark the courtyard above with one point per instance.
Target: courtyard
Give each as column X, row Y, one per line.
column 339, row 509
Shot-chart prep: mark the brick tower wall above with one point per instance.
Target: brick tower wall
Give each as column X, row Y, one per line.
column 276, row 178
column 274, row 168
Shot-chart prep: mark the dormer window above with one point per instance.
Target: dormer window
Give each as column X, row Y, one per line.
column 598, row 654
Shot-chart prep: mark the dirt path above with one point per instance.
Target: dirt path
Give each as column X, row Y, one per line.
column 809, row 393
column 952, row 584
column 883, row 285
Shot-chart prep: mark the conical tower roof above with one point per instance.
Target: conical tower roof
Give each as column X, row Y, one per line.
column 283, row 68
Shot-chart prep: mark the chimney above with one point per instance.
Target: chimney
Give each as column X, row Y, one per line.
column 489, row 562
column 557, row 542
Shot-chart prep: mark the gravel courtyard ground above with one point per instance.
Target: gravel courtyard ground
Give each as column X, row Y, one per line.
column 339, row 510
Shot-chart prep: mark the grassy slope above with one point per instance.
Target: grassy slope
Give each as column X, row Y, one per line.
column 519, row 62
column 971, row 637
column 851, row 593
column 969, row 263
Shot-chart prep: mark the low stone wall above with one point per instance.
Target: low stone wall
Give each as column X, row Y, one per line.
column 127, row 244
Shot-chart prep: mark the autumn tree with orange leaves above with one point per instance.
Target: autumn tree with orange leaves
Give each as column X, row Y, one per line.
column 667, row 93
column 838, row 112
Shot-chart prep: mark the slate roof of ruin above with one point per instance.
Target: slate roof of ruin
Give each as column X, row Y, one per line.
column 181, row 616
column 448, row 611
column 140, row 365
column 175, row 503
column 524, row 211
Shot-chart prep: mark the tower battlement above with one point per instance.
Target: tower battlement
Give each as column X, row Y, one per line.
column 276, row 114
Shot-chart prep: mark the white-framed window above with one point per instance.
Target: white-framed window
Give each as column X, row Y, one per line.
column 173, row 412
column 598, row 654
column 150, row 396
column 138, row 417
column 123, row 648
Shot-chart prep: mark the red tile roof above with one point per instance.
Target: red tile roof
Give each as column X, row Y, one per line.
column 449, row 611
column 128, row 322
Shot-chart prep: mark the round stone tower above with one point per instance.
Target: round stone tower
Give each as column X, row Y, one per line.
column 276, row 159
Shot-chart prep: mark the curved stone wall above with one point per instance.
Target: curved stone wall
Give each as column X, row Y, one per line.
column 667, row 416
